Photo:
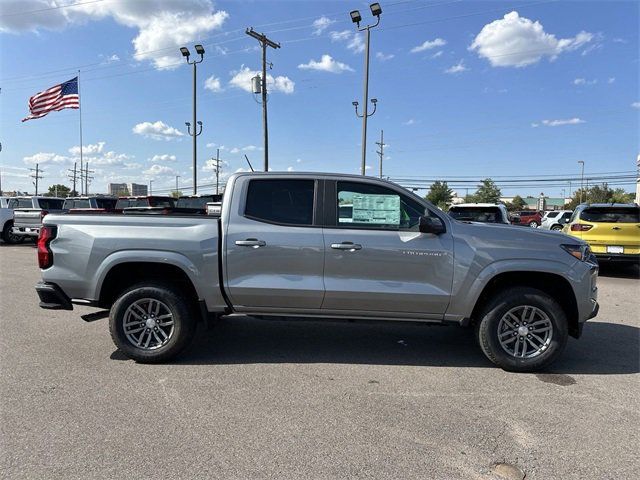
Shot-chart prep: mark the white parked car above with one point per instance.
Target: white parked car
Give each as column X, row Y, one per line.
column 6, row 223
column 555, row 219
column 480, row 212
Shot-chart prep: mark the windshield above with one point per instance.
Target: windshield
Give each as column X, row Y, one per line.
column 477, row 214
column 50, row 203
column 611, row 214
column 106, row 203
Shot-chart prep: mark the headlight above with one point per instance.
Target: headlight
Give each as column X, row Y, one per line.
column 581, row 252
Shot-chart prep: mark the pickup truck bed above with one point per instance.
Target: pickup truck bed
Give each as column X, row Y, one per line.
column 328, row 246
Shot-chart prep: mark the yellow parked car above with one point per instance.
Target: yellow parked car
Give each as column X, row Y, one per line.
column 612, row 230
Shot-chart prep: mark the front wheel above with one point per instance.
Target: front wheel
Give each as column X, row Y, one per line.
column 152, row 323
column 556, row 228
column 522, row 330
column 533, row 224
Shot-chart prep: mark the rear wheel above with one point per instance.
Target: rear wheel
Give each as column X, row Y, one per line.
column 556, row 228
column 152, row 323
column 8, row 236
column 522, row 330
column 533, row 224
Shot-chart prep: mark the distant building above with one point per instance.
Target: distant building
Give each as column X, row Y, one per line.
column 540, row 203
column 138, row 190
column 118, row 189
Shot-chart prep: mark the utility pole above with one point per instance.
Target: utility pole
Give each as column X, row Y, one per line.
column 217, row 170
column 381, row 144
column 177, row 190
column 87, row 178
column 186, row 54
column 581, row 162
column 150, row 187
column 356, row 18
column 36, row 175
column 72, row 177
column 264, row 43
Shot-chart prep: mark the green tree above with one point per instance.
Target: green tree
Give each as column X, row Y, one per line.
column 58, row 191
column 176, row 193
column 600, row 194
column 517, row 203
column 440, row 194
column 488, row 192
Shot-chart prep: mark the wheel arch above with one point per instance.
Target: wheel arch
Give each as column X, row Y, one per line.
column 553, row 284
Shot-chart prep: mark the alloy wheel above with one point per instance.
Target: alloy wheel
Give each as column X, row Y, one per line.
column 525, row 332
column 148, row 324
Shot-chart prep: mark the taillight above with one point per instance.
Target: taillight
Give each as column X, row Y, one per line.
column 580, row 227
column 45, row 255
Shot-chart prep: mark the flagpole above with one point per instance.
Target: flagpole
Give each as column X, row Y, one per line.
column 80, row 112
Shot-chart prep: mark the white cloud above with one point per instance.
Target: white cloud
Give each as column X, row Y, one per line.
column 384, row 57
column 326, row 64
column 635, row 104
column 248, row 148
column 429, row 44
column 159, row 170
column 353, row 39
column 437, row 54
column 457, row 68
column 321, row 24
column 290, row 169
column 342, row 36
column 165, row 157
column 515, row 41
column 559, row 123
column 162, row 25
column 44, row 157
column 157, row 130
column 611, row 80
column 584, row 81
column 411, row 121
column 131, row 166
column 242, row 79
column 213, row 83
column 298, row 160
column 215, row 145
column 90, row 149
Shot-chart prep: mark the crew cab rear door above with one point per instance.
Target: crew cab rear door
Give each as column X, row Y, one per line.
column 376, row 260
column 274, row 249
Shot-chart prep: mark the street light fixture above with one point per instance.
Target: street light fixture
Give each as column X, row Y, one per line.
column 186, row 54
column 376, row 11
column 581, row 179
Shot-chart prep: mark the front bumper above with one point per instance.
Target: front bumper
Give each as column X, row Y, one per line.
column 52, row 297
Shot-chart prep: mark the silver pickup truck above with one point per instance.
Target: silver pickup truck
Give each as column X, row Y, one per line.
column 320, row 246
column 28, row 213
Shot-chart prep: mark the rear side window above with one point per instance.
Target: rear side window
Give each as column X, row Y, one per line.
column 20, row 203
column 281, row 201
column 50, row 203
column 552, row 214
column 611, row 214
column 161, row 202
column 80, row 204
column 140, row 202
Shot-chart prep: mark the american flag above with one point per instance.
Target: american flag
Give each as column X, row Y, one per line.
column 61, row 96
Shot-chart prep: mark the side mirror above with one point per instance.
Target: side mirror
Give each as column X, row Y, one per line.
column 431, row 225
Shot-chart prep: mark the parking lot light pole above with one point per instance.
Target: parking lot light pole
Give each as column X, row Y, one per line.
column 376, row 11
column 185, row 53
column 581, row 162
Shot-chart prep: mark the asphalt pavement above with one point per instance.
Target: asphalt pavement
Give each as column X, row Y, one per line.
column 311, row 399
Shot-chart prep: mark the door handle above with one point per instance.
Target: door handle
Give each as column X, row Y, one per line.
column 352, row 247
column 251, row 242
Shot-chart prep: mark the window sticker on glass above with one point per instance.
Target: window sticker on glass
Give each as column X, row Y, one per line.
column 372, row 209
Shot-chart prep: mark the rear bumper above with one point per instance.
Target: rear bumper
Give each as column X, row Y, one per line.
column 618, row 257
column 52, row 297
column 27, row 230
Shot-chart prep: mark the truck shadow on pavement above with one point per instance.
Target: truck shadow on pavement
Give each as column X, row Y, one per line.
column 619, row 271
column 603, row 349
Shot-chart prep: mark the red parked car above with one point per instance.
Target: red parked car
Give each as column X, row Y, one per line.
column 527, row 218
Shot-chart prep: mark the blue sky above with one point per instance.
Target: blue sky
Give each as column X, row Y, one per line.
column 464, row 88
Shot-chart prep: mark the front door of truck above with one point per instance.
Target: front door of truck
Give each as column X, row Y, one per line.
column 376, row 260
column 274, row 248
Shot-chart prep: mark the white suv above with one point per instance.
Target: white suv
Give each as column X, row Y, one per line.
column 555, row 219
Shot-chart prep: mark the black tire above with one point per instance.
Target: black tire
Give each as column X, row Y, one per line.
column 489, row 323
column 8, row 236
column 556, row 227
column 183, row 315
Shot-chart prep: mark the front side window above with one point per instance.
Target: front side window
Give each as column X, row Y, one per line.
column 287, row 202
column 362, row 205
